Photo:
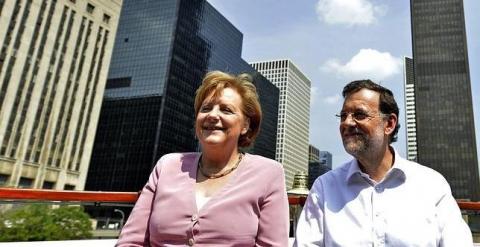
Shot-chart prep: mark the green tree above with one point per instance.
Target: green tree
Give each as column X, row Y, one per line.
column 41, row 222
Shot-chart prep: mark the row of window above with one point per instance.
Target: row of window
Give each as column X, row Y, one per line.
column 90, row 8
column 270, row 65
column 27, row 183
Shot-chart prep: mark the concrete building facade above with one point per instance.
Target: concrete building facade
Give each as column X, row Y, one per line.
column 313, row 154
column 54, row 61
column 410, row 119
column 293, row 114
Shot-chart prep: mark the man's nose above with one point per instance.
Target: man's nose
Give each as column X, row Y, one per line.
column 349, row 120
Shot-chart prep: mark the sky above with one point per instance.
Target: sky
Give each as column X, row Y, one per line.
column 336, row 41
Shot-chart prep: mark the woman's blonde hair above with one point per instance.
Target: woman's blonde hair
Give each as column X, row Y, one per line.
column 216, row 81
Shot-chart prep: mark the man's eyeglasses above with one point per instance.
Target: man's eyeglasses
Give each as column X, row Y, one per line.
column 357, row 116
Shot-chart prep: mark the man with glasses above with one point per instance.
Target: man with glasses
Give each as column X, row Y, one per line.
column 378, row 198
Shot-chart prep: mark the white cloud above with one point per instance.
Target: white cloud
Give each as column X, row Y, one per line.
column 349, row 12
column 366, row 64
column 332, row 99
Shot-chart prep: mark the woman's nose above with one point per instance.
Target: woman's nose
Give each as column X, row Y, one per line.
column 213, row 114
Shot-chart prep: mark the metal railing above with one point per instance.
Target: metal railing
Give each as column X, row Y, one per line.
column 11, row 194
column 103, row 198
column 97, row 197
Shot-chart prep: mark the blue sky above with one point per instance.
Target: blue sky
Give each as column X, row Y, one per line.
column 336, row 41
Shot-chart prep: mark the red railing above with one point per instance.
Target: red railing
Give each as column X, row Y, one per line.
column 67, row 195
column 123, row 197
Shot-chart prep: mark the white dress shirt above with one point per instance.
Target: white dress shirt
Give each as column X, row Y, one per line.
column 412, row 206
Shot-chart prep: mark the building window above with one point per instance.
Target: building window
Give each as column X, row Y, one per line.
column 25, row 182
column 69, row 187
column 118, row 82
column 48, row 185
column 90, row 8
column 106, row 18
column 3, row 179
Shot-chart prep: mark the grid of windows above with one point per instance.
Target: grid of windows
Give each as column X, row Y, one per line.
column 88, row 96
column 3, row 54
column 21, row 85
column 41, row 117
column 313, row 154
column 142, row 47
column 410, row 118
column 63, row 119
column 445, row 134
column 164, row 52
column 124, row 137
column 42, row 76
column 92, row 98
column 293, row 114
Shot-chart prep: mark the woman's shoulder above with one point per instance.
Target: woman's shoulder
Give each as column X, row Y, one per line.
column 263, row 163
column 179, row 156
column 176, row 159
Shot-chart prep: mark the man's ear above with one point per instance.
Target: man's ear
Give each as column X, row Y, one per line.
column 246, row 126
column 391, row 123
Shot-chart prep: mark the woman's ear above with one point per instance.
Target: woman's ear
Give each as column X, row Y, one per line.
column 246, row 126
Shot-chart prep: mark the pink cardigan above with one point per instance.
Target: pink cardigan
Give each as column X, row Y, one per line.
column 250, row 210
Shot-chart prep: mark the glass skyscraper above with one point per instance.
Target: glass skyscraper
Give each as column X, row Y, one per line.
column 162, row 51
column 443, row 99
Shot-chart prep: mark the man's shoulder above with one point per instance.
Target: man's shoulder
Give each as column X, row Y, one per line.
column 339, row 172
column 422, row 172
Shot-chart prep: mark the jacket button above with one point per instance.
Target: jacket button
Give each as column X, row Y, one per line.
column 194, row 217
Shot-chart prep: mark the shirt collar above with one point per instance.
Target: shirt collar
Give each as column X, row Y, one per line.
column 398, row 164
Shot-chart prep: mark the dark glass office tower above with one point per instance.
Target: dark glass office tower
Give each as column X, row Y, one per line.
column 163, row 48
column 443, row 97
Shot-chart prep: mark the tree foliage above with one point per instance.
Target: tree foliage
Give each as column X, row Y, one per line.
column 41, row 222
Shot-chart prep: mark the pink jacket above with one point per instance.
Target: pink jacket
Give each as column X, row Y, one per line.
column 250, row 210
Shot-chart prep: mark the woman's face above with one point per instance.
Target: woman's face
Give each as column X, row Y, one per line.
column 220, row 121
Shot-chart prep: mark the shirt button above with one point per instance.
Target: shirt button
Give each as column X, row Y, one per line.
column 194, row 217
column 191, row 241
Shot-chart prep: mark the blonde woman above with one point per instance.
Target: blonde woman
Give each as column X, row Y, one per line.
column 221, row 196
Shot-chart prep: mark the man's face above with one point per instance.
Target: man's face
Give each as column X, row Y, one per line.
column 362, row 125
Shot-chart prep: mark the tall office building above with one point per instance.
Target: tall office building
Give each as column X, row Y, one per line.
column 53, row 68
column 293, row 114
column 410, row 119
column 315, row 170
column 443, row 97
column 162, row 51
column 319, row 162
column 326, row 158
column 313, row 154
